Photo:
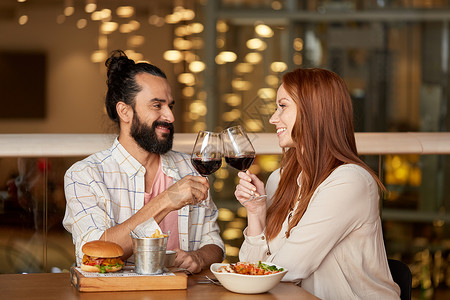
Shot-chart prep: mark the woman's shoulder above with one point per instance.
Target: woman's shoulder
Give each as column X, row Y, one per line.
column 351, row 173
column 356, row 189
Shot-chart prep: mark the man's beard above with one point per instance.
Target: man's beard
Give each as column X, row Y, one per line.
column 146, row 136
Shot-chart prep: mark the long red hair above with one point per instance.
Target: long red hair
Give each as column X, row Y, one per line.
column 324, row 135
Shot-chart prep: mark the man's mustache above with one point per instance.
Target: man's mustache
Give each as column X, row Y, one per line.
column 164, row 124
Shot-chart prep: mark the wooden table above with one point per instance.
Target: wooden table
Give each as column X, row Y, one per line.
column 57, row 286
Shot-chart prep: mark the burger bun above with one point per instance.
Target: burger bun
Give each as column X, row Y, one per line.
column 102, row 249
column 89, row 268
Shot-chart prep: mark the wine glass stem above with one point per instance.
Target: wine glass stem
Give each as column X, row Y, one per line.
column 203, row 203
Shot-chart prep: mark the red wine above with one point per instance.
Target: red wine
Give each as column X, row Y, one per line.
column 206, row 167
column 241, row 163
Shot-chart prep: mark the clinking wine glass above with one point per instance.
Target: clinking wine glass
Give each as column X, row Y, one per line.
column 207, row 155
column 239, row 152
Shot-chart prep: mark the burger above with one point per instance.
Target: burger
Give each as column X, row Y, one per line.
column 102, row 257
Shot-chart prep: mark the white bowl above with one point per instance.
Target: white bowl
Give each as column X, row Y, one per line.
column 247, row 284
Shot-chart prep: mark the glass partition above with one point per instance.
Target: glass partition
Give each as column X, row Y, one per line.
column 32, row 205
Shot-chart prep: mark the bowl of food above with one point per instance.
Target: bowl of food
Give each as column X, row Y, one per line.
column 248, row 278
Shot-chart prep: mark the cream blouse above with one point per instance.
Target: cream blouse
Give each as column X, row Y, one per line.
column 336, row 251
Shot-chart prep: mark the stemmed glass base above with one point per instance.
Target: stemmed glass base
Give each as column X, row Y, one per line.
column 254, row 198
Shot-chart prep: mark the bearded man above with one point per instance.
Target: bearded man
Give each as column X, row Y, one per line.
column 111, row 192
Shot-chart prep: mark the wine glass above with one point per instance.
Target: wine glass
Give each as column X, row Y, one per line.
column 239, row 152
column 207, row 155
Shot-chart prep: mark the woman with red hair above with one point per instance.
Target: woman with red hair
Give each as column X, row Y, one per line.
column 321, row 220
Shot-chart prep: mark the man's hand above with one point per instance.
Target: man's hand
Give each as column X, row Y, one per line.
column 189, row 190
column 188, row 260
column 195, row 261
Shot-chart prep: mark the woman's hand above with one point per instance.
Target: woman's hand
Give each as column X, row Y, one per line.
column 249, row 186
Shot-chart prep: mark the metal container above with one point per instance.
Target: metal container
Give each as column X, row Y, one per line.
column 169, row 261
column 149, row 254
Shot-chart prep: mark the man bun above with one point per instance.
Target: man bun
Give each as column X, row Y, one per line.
column 121, row 81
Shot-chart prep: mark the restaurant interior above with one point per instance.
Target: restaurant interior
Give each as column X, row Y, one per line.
column 224, row 60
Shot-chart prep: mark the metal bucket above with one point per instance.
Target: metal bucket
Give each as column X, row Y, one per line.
column 149, row 254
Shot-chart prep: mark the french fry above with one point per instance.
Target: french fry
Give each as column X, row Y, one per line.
column 157, row 234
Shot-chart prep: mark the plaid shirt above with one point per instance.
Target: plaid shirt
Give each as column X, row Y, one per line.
column 107, row 188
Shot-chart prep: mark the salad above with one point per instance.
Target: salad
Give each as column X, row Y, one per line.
column 246, row 268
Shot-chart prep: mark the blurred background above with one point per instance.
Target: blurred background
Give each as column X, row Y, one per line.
column 224, row 61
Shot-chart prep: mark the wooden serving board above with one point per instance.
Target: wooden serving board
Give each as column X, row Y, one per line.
column 175, row 281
